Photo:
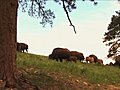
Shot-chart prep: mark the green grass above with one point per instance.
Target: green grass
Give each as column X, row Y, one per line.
column 38, row 68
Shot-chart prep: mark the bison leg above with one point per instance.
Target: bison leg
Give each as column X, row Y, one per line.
column 22, row 50
column 74, row 61
column 60, row 60
column 57, row 60
column 26, row 50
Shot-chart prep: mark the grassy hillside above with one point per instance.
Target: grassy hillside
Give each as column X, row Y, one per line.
column 48, row 74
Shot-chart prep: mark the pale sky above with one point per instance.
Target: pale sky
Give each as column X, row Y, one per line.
column 90, row 21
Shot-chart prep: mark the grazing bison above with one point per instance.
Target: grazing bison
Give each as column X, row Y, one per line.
column 79, row 55
column 22, row 47
column 94, row 56
column 89, row 59
column 72, row 58
column 100, row 61
column 60, row 54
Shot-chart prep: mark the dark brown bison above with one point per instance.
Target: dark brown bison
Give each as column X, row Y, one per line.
column 79, row 55
column 60, row 54
column 22, row 47
column 72, row 58
column 89, row 59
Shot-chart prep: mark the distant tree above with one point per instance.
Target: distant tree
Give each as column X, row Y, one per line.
column 112, row 36
column 8, row 32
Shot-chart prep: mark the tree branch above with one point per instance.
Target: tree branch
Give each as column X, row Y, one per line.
column 68, row 16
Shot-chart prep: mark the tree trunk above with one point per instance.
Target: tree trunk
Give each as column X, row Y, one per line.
column 8, row 32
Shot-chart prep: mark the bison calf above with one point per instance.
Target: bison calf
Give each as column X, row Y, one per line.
column 72, row 58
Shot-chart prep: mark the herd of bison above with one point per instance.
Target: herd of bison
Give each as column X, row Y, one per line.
column 60, row 54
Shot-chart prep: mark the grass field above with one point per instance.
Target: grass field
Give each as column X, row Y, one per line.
column 51, row 75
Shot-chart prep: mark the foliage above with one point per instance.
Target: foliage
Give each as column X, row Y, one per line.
column 70, row 4
column 112, row 36
column 37, row 8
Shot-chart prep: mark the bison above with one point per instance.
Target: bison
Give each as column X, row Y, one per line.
column 89, row 59
column 72, row 58
column 94, row 56
column 22, row 47
column 94, row 59
column 79, row 55
column 60, row 54
column 100, row 61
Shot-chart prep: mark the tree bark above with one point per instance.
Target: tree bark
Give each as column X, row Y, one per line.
column 8, row 36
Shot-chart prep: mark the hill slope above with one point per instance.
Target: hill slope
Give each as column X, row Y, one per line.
column 46, row 74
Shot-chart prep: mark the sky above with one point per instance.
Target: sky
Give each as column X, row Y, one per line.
column 91, row 23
